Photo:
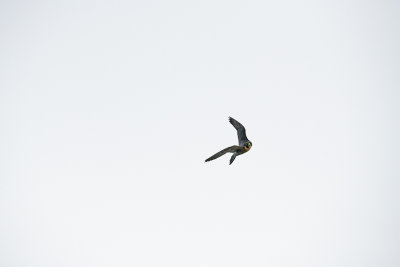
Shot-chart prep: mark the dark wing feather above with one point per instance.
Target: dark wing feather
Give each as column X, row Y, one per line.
column 241, row 131
column 230, row 149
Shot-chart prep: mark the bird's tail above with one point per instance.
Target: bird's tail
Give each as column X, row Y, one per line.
column 232, row 158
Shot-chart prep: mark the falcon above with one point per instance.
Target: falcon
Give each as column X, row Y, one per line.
column 243, row 147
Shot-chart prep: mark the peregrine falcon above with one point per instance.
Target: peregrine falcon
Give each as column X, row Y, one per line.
column 243, row 147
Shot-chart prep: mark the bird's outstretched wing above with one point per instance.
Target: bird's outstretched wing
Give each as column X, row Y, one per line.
column 241, row 131
column 230, row 149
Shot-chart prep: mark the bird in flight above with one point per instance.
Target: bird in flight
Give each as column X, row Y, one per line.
column 243, row 147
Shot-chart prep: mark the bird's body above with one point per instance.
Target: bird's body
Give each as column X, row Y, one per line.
column 244, row 143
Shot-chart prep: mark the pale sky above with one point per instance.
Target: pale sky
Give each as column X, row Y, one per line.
column 108, row 110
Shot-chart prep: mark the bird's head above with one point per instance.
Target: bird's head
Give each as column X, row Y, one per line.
column 247, row 146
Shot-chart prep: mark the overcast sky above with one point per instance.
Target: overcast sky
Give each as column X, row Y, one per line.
column 108, row 110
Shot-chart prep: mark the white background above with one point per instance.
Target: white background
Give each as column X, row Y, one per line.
column 109, row 108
